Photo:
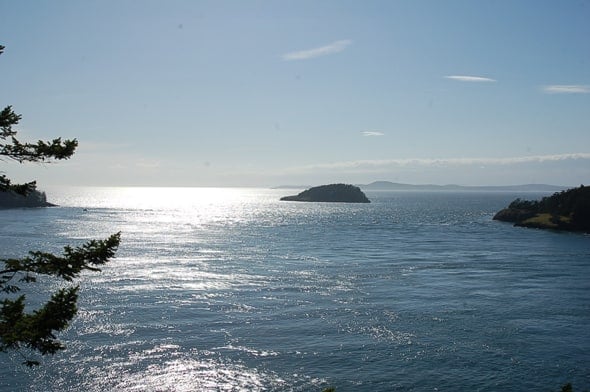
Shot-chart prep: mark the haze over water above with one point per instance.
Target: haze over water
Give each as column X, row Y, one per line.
column 230, row 289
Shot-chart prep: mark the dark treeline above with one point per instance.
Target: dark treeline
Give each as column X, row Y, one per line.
column 572, row 203
column 11, row 199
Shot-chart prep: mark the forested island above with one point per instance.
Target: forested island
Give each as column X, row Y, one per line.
column 343, row 193
column 35, row 198
column 567, row 210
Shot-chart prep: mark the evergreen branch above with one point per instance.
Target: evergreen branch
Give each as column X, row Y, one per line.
column 4, row 279
column 37, row 330
column 21, row 189
column 73, row 261
column 8, row 118
column 40, row 151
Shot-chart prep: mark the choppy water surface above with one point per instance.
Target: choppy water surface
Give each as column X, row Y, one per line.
column 232, row 290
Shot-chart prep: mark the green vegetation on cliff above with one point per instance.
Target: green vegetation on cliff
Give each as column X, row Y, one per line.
column 566, row 210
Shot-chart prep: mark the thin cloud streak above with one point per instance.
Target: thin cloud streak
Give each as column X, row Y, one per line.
column 334, row 47
column 428, row 162
column 567, row 89
column 372, row 133
column 471, row 79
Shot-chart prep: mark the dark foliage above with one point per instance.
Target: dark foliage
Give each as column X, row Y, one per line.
column 573, row 204
column 13, row 149
column 36, row 330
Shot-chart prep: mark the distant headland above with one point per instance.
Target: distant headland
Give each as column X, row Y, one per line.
column 34, row 199
column 343, row 193
column 567, row 210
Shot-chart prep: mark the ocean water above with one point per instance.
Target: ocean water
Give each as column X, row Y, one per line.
column 232, row 290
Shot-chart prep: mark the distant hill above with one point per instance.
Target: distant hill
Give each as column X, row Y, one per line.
column 394, row 186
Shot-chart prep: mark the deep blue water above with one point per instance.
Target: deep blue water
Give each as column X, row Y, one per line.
column 230, row 289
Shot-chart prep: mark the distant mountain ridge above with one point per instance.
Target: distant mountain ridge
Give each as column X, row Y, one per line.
column 393, row 186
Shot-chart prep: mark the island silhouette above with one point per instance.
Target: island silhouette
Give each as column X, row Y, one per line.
column 333, row 193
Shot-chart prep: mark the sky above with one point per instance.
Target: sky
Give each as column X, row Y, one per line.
column 269, row 93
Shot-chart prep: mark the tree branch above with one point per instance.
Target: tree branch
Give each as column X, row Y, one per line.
column 73, row 261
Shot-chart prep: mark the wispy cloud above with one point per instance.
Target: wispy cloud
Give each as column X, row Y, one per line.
column 567, row 89
column 468, row 78
column 372, row 165
column 334, row 47
column 372, row 133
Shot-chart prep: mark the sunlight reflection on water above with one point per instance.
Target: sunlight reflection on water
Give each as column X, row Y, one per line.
column 165, row 368
column 142, row 198
column 191, row 225
column 185, row 374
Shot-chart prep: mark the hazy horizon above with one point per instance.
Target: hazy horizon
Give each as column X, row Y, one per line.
column 261, row 94
column 374, row 185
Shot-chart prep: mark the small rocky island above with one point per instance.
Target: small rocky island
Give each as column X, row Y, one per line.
column 335, row 193
column 567, row 210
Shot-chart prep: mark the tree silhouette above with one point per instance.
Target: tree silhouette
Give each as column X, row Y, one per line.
column 36, row 330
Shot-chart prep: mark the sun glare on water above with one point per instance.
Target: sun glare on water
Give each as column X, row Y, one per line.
column 146, row 197
column 190, row 276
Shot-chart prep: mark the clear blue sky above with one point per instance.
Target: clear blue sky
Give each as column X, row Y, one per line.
column 262, row 93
